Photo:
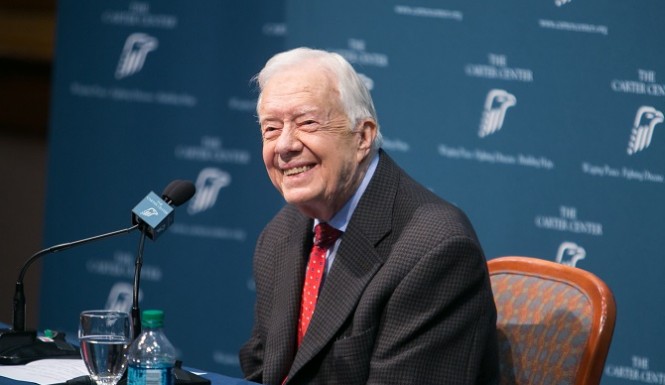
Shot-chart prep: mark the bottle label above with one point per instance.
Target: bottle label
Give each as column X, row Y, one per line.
column 137, row 375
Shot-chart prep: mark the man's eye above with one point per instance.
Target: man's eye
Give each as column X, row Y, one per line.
column 308, row 124
column 270, row 132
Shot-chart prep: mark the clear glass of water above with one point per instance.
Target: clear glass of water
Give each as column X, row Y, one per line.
column 105, row 336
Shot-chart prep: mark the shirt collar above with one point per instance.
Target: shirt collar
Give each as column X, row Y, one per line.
column 341, row 220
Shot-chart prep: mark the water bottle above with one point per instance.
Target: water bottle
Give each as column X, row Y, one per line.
column 151, row 357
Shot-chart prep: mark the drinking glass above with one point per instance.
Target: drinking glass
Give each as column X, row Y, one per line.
column 105, row 336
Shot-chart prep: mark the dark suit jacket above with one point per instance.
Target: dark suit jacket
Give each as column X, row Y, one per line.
column 407, row 300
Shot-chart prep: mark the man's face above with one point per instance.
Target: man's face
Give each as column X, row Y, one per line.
column 312, row 155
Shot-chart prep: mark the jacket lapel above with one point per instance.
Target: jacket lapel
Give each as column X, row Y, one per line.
column 291, row 259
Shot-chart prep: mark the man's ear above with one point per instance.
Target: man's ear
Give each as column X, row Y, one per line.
column 367, row 133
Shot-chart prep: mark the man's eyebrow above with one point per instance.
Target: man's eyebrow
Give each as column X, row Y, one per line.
column 269, row 119
column 293, row 116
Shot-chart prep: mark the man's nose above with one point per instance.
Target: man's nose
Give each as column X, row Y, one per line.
column 288, row 141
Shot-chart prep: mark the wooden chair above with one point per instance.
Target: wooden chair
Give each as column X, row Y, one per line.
column 554, row 322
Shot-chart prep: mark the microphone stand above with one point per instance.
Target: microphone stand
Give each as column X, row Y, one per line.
column 136, row 312
column 19, row 346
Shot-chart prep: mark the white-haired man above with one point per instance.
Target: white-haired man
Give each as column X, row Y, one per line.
column 394, row 287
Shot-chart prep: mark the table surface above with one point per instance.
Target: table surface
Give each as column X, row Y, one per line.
column 215, row 379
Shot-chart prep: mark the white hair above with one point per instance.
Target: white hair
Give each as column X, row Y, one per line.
column 353, row 93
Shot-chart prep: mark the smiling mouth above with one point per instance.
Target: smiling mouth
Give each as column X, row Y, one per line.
column 296, row 170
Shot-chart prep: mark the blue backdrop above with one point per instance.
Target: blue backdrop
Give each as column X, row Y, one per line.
column 542, row 120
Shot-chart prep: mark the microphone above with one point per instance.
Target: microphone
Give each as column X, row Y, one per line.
column 153, row 225
column 18, row 346
column 154, row 214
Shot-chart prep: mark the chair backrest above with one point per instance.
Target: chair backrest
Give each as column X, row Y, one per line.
column 554, row 322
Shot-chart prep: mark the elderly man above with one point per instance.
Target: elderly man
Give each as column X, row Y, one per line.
column 365, row 276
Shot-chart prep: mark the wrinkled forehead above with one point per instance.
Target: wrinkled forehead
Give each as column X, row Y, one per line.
column 298, row 85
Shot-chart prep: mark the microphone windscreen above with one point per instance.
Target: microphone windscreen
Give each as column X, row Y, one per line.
column 169, row 189
column 178, row 192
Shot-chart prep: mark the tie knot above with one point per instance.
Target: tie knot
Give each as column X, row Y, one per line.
column 325, row 235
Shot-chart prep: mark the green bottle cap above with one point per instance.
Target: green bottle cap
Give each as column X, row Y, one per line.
column 152, row 318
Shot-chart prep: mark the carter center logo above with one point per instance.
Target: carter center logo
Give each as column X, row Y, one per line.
column 149, row 212
column 646, row 119
column 496, row 104
column 134, row 54
column 570, row 253
column 208, row 184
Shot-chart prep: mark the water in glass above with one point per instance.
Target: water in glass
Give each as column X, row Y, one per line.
column 105, row 336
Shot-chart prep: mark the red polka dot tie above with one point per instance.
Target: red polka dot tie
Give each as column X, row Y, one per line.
column 324, row 237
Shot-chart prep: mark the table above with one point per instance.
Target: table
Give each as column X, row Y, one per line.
column 215, row 379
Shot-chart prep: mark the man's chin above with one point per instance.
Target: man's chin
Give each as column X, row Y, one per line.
column 297, row 195
column 297, row 201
